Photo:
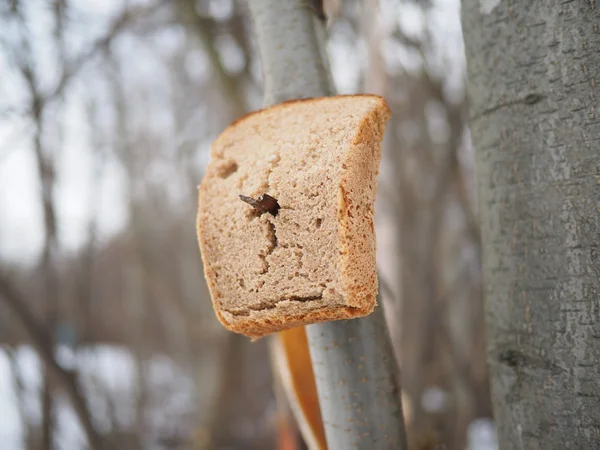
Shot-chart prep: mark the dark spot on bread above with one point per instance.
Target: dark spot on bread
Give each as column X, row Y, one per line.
column 264, row 203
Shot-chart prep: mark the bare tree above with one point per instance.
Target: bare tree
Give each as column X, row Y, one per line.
column 44, row 108
column 43, row 342
column 426, row 206
column 533, row 86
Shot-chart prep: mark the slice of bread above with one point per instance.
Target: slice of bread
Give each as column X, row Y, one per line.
column 313, row 258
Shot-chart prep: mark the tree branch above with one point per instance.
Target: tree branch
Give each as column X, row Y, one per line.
column 354, row 363
column 230, row 86
column 103, row 43
column 292, row 59
column 42, row 340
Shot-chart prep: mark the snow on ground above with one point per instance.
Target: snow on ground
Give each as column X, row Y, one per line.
column 481, row 435
column 109, row 378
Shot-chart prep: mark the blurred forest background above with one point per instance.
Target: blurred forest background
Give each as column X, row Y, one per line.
column 107, row 112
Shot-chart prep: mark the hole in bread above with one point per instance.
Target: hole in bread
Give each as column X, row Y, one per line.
column 226, row 168
column 241, row 283
column 318, row 222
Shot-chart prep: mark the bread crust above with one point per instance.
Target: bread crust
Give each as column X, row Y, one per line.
column 355, row 202
column 302, row 100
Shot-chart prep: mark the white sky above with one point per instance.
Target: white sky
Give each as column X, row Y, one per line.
column 21, row 231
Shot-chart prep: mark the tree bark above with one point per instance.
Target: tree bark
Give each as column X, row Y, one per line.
column 533, row 70
column 354, row 364
column 293, row 63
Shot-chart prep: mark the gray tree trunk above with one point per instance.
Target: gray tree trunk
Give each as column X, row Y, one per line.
column 534, row 71
column 355, row 368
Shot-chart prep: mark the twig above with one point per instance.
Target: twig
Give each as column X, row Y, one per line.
column 387, row 289
column 45, row 166
column 115, row 28
column 42, row 341
column 229, row 85
column 20, row 394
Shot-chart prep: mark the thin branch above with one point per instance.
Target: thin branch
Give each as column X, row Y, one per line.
column 387, row 289
column 355, row 366
column 229, row 84
column 20, row 393
column 45, row 166
column 115, row 28
column 42, row 340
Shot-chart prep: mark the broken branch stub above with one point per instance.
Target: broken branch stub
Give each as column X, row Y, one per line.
column 265, row 203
